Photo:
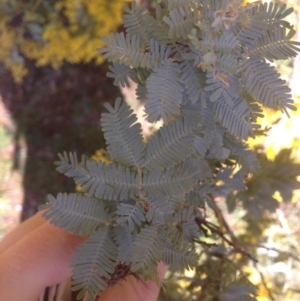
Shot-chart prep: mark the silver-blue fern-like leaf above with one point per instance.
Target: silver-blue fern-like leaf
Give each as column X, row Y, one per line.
column 200, row 66
column 123, row 134
column 164, row 92
column 76, row 213
column 94, row 262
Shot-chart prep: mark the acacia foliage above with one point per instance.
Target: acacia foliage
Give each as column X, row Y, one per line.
column 200, row 68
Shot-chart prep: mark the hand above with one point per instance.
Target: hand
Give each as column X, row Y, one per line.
column 36, row 255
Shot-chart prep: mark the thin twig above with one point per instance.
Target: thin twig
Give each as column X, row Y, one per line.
column 209, row 245
column 289, row 254
column 214, row 229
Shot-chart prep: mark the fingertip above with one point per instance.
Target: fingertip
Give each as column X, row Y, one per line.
column 39, row 260
column 20, row 231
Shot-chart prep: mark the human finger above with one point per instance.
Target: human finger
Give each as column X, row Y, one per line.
column 21, row 231
column 40, row 259
column 134, row 289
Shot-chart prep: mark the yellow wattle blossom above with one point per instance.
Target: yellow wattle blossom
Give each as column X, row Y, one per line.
column 102, row 155
column 70, row 31
column 9, row 54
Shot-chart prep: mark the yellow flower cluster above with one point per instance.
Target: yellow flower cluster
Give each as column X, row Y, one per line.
column 70, row 32
column 9, row 54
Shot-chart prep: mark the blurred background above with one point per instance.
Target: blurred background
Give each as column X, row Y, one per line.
column 52, row 88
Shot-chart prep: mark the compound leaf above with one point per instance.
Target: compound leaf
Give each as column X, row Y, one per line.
column 147, row 251
column 131, row 215
column 124, row 241
column 76, row 213
column 235, row 119
column 123, row 134
column 170, row 182
column 171, row 144
column 127, row 50
column 93, row 263
column 265, row 85
column 110, row 182
column 164, row 92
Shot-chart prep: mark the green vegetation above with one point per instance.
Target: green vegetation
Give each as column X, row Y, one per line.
column 201, row 67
